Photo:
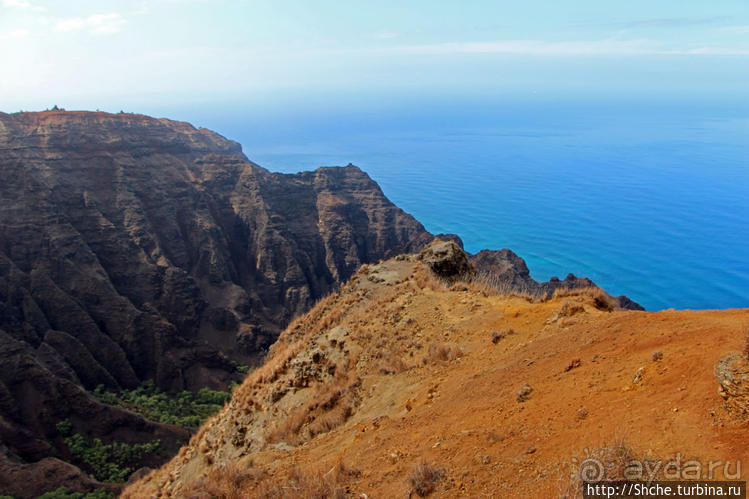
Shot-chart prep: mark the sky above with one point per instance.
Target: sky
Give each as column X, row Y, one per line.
column 163, row 54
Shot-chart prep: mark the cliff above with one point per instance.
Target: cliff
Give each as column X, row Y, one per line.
column 414, row 378
column 134, row 248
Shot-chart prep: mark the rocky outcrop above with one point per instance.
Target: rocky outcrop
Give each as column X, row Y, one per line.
column 446, row 259
column 732, row 373
column 507, row 270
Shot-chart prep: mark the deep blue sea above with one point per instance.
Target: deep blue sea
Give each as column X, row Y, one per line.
column 649, row 198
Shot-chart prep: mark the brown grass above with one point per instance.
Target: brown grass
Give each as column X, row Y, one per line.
column 226, row 482
column 601, row 299
column 442, row 352
column 236, row 482
column 746, row 346
column 392, row 364
column 611, row 459
column 315, row 485
column 424, row 478
column 500, row 335
column 425, row 278
column 489, row 283
column 331, row 406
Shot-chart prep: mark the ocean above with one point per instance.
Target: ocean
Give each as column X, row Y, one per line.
column 647, row 197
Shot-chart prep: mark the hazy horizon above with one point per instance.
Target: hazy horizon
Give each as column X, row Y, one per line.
column 178, row 55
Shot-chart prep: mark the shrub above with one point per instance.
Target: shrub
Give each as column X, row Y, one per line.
column 64, row 428
column 500, row 335
column 182, row 409
column 65, row 493
column 607, row 462
column 231, row 481
column 424, row 478
column 109, row 462
column 440, row 352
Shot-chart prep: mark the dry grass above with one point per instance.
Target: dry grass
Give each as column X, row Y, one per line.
column 442, row 352
column 231, row 481
column 424, row 478
column 236, row 482
column 746, row 346
column 601, row 299
column 489, row 283
column 500, row 335
column 607, row 462
column 315, row 485
column 330, row 407
column 425, row 278
column 392, row 364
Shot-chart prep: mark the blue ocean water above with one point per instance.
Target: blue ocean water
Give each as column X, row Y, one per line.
column 647, row 198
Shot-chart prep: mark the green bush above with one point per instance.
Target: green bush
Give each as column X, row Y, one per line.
column 65, row 493
column 64, row 428
column 183, row 409
column 109, row 462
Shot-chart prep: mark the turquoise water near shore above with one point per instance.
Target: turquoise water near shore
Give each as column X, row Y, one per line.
column 647, row 198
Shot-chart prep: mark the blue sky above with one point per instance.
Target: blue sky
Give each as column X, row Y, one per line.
column 141, row 55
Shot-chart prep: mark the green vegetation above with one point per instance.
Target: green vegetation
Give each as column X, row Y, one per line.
column 109, row 462
column 115, row 462
column 65, row 493
column 183, row 409
column 64, row 428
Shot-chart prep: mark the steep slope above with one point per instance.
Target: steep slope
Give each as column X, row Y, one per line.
column 142, row 237
column 134, row 248
column 401, row 382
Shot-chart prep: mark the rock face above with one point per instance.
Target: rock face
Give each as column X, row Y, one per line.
column 128, row 242
column 446, row 259
column 732, row 373
column 134, row 248
column 508, row 270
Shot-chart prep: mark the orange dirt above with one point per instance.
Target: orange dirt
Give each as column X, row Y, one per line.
column 463, row 416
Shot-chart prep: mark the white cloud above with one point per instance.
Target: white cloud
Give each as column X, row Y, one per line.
column 18, row 33
column 22, row 4
column 96, row 24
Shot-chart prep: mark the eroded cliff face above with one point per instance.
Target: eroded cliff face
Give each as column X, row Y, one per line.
column 134, row 248
column 128, row 242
